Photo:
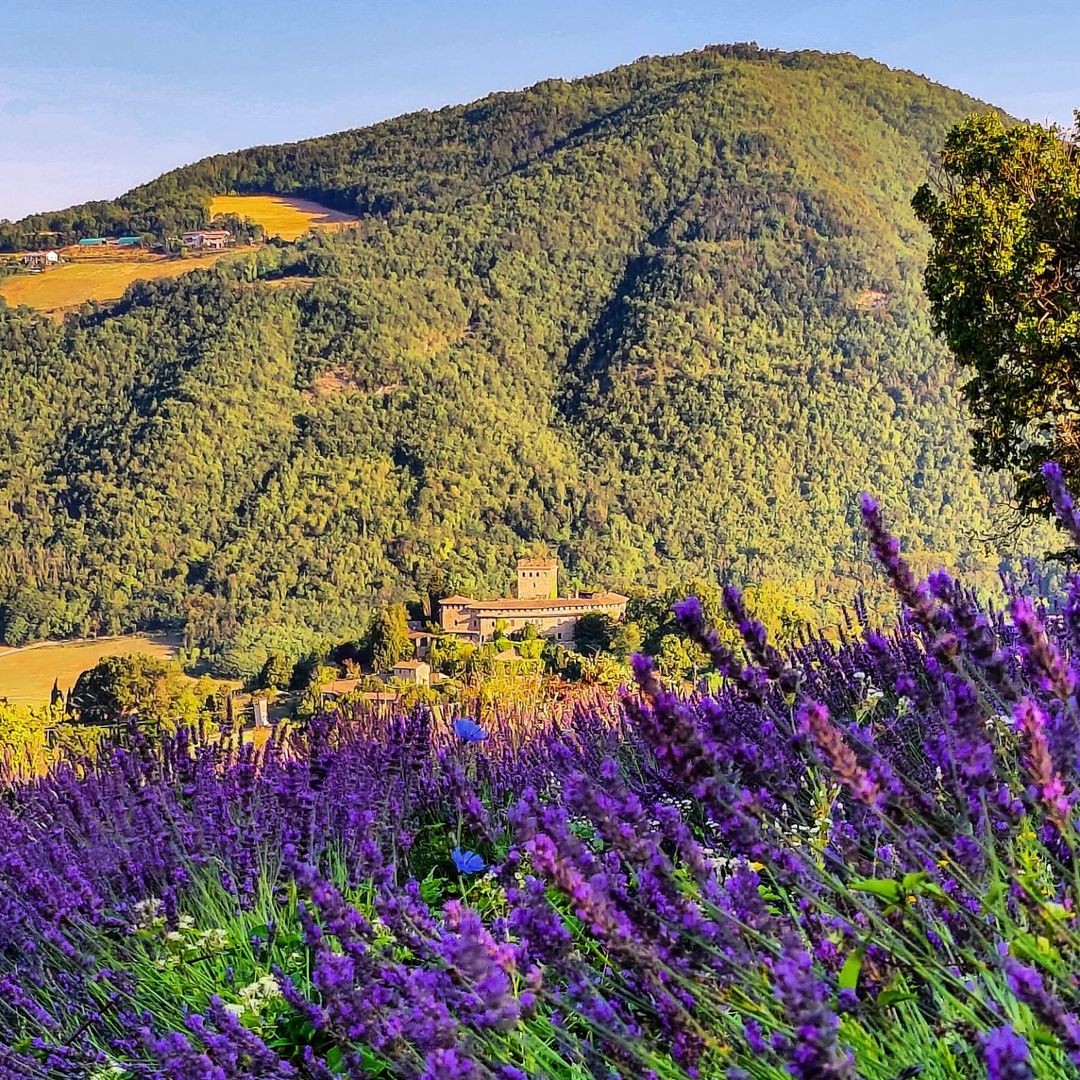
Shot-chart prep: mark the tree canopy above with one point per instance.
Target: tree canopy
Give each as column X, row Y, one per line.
column 1003, row 279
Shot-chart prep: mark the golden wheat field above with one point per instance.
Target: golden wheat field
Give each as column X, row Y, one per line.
column 280, row 215
column 74, row 282
column 26, row 675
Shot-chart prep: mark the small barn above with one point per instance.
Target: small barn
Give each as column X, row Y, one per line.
column 36, row 261
column 93, row 241
column 129, row 241
column 210, row 239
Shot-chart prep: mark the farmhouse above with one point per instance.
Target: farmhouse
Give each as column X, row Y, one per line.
column 537, row 603
column 37, row 261
column 415, row 672
column 208, row 239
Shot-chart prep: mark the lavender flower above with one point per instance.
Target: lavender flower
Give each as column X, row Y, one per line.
column 1028, row 986
column 914, row 594
column 1031, row 721
column 1045, row 661
column 814, row 1053
column 1062, row 500
column 1006, row 1055
column 814, row 722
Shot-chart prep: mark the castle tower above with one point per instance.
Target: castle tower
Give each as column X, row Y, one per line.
column 537, row 579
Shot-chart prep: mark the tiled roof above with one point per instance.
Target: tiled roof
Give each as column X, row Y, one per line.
column 479, row 607
column 458, row 600
column 340, row 686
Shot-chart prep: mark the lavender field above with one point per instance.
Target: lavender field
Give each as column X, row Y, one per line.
column 858, row 859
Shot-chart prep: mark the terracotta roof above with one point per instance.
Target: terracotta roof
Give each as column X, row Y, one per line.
column 410, row 664
column 599, row 600
column 458, row 600
column 340, row 686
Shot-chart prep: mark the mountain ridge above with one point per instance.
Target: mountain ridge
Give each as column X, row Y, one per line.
column 470, row 112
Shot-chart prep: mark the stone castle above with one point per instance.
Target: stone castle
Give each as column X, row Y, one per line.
column 537, row 603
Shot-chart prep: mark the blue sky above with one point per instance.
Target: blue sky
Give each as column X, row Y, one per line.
column 99, row 95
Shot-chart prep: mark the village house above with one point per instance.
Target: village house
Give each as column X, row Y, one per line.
column 207, row 239
column 414, row 672
column 537, row 603
column 36, row 261
column 421, row 638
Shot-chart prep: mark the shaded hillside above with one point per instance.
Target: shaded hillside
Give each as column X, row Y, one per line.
column 663, row 321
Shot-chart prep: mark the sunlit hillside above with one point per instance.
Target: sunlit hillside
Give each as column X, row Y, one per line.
column 664, row 322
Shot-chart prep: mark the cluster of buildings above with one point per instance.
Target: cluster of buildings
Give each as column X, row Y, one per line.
column 194, row 239
column 38, row 261
column 206, row 239
column 537, row 604
column 110, row 241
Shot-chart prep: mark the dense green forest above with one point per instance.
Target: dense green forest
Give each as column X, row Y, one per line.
column 665, row 321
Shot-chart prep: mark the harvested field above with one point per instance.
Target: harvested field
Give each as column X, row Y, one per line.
column 27, row 674
column 280, row 215
column 94, row 278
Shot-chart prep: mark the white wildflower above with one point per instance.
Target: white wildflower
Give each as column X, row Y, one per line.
column 148, row 913
column 215, row 940
column 257, row 995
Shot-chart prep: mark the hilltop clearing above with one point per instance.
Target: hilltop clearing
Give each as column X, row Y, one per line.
column 27, row 674
column 280, row 215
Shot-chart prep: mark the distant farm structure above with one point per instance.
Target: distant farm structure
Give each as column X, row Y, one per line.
column 207, row 239
column 36, row 261
column 100, row 268
column 110, row 241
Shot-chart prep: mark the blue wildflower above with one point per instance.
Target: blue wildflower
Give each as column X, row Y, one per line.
column 467, row 862
column 468, row 730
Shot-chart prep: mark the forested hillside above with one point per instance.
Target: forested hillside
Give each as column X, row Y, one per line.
column 664, row 321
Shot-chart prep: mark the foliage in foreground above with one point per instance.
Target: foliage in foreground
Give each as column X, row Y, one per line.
column 853, row 861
